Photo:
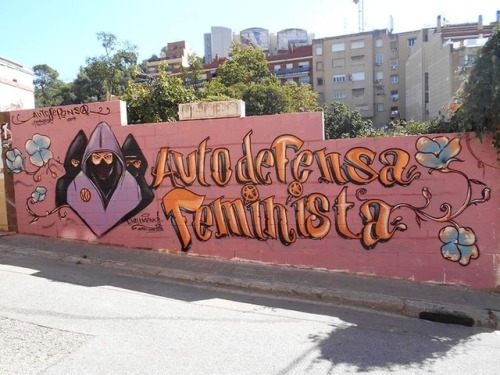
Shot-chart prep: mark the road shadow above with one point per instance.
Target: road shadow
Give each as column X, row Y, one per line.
column 363, row 348
column 357, row 342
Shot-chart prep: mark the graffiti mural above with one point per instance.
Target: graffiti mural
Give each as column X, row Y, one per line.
column 102, row 183
column 275, row 190
column 104, row 192
column 311, row 216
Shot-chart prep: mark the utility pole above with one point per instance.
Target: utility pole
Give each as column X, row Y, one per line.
column 361, row 14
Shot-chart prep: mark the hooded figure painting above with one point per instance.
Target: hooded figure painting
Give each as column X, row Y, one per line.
column 104, row 192
column 72, row 166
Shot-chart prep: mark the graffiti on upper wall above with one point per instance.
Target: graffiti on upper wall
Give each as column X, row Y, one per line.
column 48, row 115
column 105, row 185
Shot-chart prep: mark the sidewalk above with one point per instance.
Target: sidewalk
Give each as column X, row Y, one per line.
column 444, row 303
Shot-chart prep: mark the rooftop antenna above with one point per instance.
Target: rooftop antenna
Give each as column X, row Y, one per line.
column 361, row 14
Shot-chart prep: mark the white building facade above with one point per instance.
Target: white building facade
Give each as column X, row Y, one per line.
column 16, row 86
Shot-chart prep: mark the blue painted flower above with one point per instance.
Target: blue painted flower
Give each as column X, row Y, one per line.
column 459, row 244
column 39, row 194
column 15, row 161
column 38, row 148
column 438, row 152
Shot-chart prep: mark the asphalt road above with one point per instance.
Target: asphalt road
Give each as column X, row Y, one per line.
column 60, row 318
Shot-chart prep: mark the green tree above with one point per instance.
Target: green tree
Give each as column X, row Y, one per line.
column 89, row 85
column 156, row 100
column 49, row 89
column 246, row 76
column 192, row 74
column 270, row 97
column 67, row 94
column 302, row 97
column 245, row 65
column 480, row 111
column 265, row 99
column 341, row 122
column 107, row 74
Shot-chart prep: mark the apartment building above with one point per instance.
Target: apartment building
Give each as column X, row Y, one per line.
column 174, row 55
column 217, row 43
column 295, row 64
column 365, row 71
column 438, row 65
column 383, row 75
column 257, row 37
column 292, row 65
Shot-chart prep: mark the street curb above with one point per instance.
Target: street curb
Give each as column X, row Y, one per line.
column 413, row 308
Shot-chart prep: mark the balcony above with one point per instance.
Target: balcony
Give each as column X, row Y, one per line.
column 292, row 72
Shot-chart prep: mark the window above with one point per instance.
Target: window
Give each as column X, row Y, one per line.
column 394, row 113
column 362, row 107
column 304, row 79
column 467, row 60
column 319, row 51
column 360, row 43
column 379, row 76
column 319, row 81
column 357, row 57
column 379, row 42
column 338, row 47
column 394, row 64
column 380, row 91
column 394, row 78
column 321, row 97
column 357, row 76
column 411, row 42
column 304, row 64
column 380, row 107
column 358, row 92
column 277, row 67
column 379, row 59
column 394, row 46
column 339, row 78
column 338, row 63
column 319, row 65
column 289, row 65
column 394, row 95
column 339, row 94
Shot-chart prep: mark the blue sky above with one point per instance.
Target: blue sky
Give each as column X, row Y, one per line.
column 62, row 34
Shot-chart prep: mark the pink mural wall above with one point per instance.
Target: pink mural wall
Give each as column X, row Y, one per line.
column 265, row 188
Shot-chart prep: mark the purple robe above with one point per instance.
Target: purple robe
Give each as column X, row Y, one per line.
column 103, row 199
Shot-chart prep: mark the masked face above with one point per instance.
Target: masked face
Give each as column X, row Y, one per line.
column 102, row 164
